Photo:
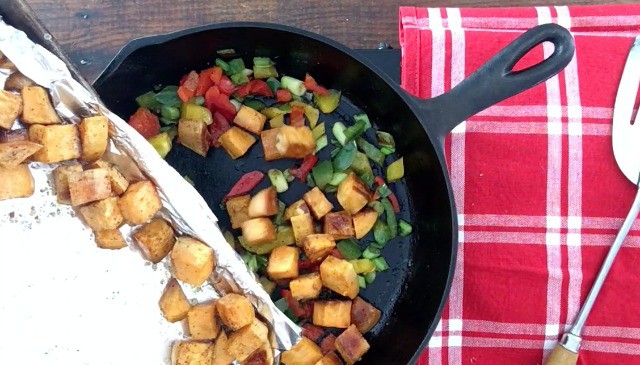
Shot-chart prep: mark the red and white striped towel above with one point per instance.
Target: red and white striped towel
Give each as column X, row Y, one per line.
column 538, row 192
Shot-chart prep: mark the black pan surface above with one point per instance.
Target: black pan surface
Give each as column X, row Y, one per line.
column 412, row 294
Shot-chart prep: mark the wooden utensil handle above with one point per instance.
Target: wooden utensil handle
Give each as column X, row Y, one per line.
column 561, row 356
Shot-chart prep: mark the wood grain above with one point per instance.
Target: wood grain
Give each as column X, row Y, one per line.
column 92, row 31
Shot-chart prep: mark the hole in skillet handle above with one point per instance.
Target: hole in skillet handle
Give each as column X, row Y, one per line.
column 496, row 80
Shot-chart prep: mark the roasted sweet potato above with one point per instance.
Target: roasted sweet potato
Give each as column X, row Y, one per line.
column 351, row 345
column 10, row 108
column 37, row 107
column 13, row 154
column 89, row 186
column 261, row 356
column 318, row 246
column 268, row 139
column 332, row 313
column 59, row 142
column 191, row 353
column 94, row 136
column 363, row 222
column 16, row 182
column 103, row 214
column 61, row 181
column 238, row 209
column 258, row 231
column 264, row 203
column 339, row 225
column 305, row 352
column 235, row 311
column 119, row 183
column 317, row 202
column 297, row 208
column 173, row 303
column 295, row 142
column 283, row 263
column 250, row 119
column 156, row 239
column 202, row 322
column 363, row 315
column 339, row 276
column 111, row 239
column 246, row 340
column 306, row 286
column 236, row 142
column 193, row 135
column 139, row 203
column 302, row 227
column 353, row 194
column 192, row 261
column 330, row 359
column 220, row 354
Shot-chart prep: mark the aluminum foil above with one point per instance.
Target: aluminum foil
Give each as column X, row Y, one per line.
column 58, row 289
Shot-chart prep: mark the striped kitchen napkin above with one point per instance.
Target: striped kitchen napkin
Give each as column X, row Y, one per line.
column 538, row 192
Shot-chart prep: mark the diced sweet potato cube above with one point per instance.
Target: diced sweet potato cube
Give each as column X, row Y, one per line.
column 235, row 311
column 246, row 340
column 295, row 142
column 119, row 183
column 236, row 142
column 192, row 261
column 332, row 313
column 318, row 246
column 268, row 139
column 261, row 356
column 330, row 359
column 339, row 276
column 10, row 108
column 173, row 303
column 258, row 231
column 305, row 352
column 283, row 263
column 59, row 142
column 363, row 222
column 89, row 186
column 264, row 203
column 363, row 315
column 317, row 202
column 156, row 239
column 103, row 214
column 353, row 194
column 220, row 354
column 13, row 154
column 202, row 322
column 250, row 119
column 110, row 239
column 193, row 135
column 297, row 208
column 351, row 345
column 191, row 353
column 37, row 107
column 339, row 225
column 238, row 209
column 16, row 182
column 61, row 181
column 302, row 227
column 328, row 344
column 94, row 136
column 140, row 202
column 306, row 287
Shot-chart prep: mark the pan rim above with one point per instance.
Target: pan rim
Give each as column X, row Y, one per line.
column 411, row 101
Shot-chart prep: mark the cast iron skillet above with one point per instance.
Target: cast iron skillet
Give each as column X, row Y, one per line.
column 412, row 295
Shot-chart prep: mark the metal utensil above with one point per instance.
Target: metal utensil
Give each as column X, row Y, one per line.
column 626, row 149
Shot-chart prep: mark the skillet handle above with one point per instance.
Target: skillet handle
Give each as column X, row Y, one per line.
column 496, row 81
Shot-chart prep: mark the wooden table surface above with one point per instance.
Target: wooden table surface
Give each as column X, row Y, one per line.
column 92, row 31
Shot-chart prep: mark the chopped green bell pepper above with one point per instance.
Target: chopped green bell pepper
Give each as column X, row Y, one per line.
column 370, row 277
column 370, row 253
column 260, row 72
column 321, row 143
column 380, row 263
column 322, row 173
column 360, row 164
column 170, row 112
column 278, row 180
column 148, row 100
column 363, row 266
column 349, row 249
column 404, row 228
column 392, row 223
column 338, row 130
column 273, row 83
column 236, row 66
column 371, row 151
column 318, row 131
column 294, row 85
column 223, row 65
column 381, row 233
column 344, row 157
column 385, row 139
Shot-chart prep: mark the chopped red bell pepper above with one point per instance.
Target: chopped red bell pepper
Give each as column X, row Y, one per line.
column 214, row 100
column 226, row 86
column 216, row 75
column 309, row 266
column 145, row 122
column 246, row 183
column 328, row 344
column 307, row 164
column 188, row 88
column 336, row 253
column 204, row 81
column 185, row 93
column 311, row 85
column 312, row 332
column 283, row 96
column 392, row 197
column 260, row 88
column 299, row 310
column 296, row 117
column 184, row 79
column 217, row 128
column 244, row 90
